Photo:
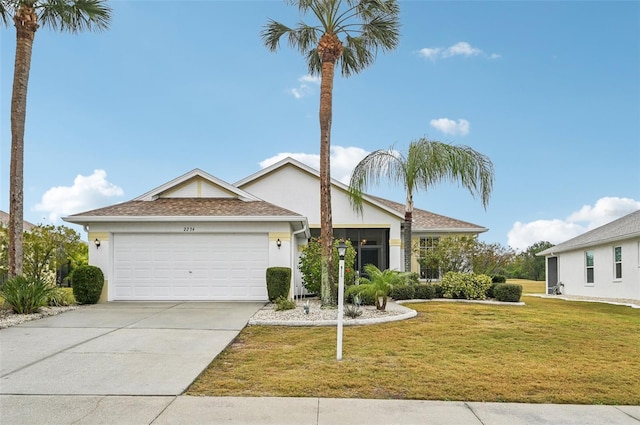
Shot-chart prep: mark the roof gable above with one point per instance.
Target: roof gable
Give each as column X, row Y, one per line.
column 196, row 184
column 292, row 163
column 626, row 227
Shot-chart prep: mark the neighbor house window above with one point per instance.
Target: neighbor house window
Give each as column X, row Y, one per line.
column 617, row 262
column 589, row 262
column 428, row 269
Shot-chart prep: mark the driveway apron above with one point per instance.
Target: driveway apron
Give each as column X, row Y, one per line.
column 119, row 348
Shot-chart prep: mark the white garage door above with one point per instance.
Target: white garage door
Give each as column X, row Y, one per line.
column 190, row 266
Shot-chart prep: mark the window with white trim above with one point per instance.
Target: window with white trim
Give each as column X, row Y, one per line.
column 430, row 271
column 589, row 263
column 617, row 262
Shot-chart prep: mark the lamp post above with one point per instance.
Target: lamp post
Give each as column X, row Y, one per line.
column 342, row 249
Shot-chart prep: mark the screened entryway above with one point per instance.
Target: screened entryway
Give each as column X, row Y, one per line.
column 371, row 245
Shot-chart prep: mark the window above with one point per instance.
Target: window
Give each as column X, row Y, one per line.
column 617, row 262
column 428, row 269
column 589, row 262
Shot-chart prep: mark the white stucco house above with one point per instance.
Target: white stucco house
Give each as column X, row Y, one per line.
column 604, row 262
column 200, row 238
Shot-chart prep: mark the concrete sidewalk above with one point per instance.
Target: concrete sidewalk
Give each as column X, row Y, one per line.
column 165, row 410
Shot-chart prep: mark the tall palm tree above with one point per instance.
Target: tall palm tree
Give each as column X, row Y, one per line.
column 64, row 15
column 365, row 26
column 426, row 163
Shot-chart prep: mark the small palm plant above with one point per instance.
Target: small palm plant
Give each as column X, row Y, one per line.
column 378, row 284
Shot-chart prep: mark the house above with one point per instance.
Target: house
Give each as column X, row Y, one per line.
column 4, row 221
column 200, row 238
column 604, row 262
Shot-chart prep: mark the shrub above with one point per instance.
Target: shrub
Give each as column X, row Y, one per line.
column 403, row 292
column 413, row 278
column 278, row 282
column 310, row 265
column 283, row 303
column 439, row 291
column 352, row 310
column 468, row 286
column 378, row 284
column 87, row 282
column 365, row 298
column 508, row 292
column 26, row 296
column 490, row 290
column 60, row 297
column 498, row 278
column 425, row 291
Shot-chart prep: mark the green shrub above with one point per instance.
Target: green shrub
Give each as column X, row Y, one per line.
column 61, row 297
column 26, row 296
column 508, row 292
column 490, row 290
column 438, row 289
column 283, row 303
column 498, row 278
column 468, row 286
column 278, row 282
column 365, row 298
column 403, row 292
column 87, row 282
column 425, row 291
column 413, row 278
column 353, row 311
column 310, row 265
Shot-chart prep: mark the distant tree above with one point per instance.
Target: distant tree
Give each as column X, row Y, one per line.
column 533, row 266
column 426, row 164
column 492, row 259
column 63, row 15
column 365, row 26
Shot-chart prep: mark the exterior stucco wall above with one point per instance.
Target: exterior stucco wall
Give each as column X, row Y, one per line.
column 299, row 191
column 572, row 271
column 285, row 256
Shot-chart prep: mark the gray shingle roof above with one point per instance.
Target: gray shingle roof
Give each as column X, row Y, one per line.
column 190, row 207
column 626, row 227
column 4, row 219
column 428, row 221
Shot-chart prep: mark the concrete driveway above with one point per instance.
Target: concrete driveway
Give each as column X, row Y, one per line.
column 119, row 348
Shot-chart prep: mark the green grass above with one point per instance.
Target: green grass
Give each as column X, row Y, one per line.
column 549, row 351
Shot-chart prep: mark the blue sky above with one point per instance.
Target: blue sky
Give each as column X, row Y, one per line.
column 550, row 91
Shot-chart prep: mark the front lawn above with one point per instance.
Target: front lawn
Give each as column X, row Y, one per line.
column 549, row 351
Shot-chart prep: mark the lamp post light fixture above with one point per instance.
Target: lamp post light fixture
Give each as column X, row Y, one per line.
column 278, row 243
column 342, row 249
column 97, row 243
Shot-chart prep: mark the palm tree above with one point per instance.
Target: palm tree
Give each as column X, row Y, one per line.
column 378, row 284
column 365, row 26
column 427, row 162
column 63, row 15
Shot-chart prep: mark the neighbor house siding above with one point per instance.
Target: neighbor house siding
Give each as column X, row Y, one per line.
column 572, row 271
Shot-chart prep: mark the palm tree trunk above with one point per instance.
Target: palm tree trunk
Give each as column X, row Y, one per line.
column 329, row 49
column 407, row 240
column 26, row 23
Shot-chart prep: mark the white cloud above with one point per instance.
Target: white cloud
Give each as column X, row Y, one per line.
column 304, row 89
column 605, row 210
column 430, row 53
column 447, row 126
column 87, row 192
column 343, row 160
column 461, row 48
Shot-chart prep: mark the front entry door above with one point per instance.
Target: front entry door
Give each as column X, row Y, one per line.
column 369, row 255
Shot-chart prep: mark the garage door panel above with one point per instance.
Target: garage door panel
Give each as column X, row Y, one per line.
column 190, row 267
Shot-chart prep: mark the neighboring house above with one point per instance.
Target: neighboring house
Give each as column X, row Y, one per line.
column 604, row 262
column 200, row 238
column 4, row 220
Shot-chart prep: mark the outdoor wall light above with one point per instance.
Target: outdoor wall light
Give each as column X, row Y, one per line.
column 279, row 243
column 97, row 242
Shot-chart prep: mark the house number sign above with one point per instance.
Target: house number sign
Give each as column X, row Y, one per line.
column 188, row 229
